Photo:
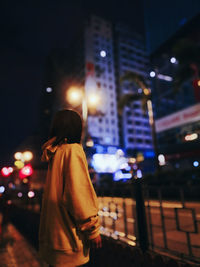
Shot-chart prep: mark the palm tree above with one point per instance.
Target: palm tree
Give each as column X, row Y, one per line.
column 145, row 98
column 187, row 53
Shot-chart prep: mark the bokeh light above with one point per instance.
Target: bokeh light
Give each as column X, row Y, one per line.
column 18, row 156
column 152, row 74
column 74, row 96
column 2, row 189
column 49, row 90
column 195, row 163
column 20, row 194
column 5, row 171
column 27, row 155
column 19, row 164
column 31, row 194
column 103, row 53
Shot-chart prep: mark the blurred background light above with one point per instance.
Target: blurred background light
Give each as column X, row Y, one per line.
column 165, row 77
column 195, row 163
column 49, row 90
column 27, row 155
column 19, row 164
column 139, row 173
column 2, row 189
column 191, row 137
column 93, row 100
column 120, row 175
column 90, row 143
column 103, row 53
column 5, row 171
column 132, row 160
column 74, row 96
column 161, row 159
column 173, row 60
column 26, row 171
column 10, row 169
column 18, row 155
column 25, row 180
column 109, row 163
column 20, row 194
column 152, row 74
column 31, row 194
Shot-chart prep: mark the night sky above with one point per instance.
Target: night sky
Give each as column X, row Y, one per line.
column 29, row 31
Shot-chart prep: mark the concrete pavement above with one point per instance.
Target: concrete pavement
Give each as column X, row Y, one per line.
column 15, row 251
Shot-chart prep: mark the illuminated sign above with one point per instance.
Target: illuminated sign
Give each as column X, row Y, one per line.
column 109, row 163
column 179, row 118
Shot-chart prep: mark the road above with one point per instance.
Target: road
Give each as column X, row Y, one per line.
column 170, row 226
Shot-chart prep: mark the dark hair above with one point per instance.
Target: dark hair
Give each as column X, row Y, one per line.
column 67, row 124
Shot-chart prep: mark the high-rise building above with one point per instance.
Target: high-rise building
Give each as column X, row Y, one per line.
column 131, row 56
column 94, row 63
column 100, row 78
column 177, row 109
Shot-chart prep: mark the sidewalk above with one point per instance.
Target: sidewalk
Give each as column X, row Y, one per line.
column 15, row 251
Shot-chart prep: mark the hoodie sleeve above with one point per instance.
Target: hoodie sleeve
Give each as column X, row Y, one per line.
column 79, row 194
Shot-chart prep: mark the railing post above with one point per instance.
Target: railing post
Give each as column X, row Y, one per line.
column 141, row 216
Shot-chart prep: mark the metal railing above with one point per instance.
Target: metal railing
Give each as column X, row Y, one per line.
column 161, row 218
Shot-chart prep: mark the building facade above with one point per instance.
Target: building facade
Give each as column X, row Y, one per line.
column 100, row 79
column 94, row 63
column 131, row 56
column 177, row 109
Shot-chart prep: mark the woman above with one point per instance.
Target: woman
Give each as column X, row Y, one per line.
column 69, row 221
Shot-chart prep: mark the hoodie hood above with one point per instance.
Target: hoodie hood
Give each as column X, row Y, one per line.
column 48, row 150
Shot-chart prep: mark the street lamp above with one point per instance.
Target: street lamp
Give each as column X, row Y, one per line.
column 147, row 92
column 25, row 156
column 76, row 97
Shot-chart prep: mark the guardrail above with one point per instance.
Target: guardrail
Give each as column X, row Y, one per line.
column 165, row 219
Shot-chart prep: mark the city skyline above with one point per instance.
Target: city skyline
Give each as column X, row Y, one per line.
column 30, row 32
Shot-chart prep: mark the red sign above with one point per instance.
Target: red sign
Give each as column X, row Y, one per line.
column 179, row 118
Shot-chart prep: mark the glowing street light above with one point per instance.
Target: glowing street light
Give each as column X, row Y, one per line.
column 27, row 155
column 74, row 96
column 93, row 100
column 18, row 155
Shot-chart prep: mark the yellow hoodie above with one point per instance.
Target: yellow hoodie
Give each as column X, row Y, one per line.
column 69, row 209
